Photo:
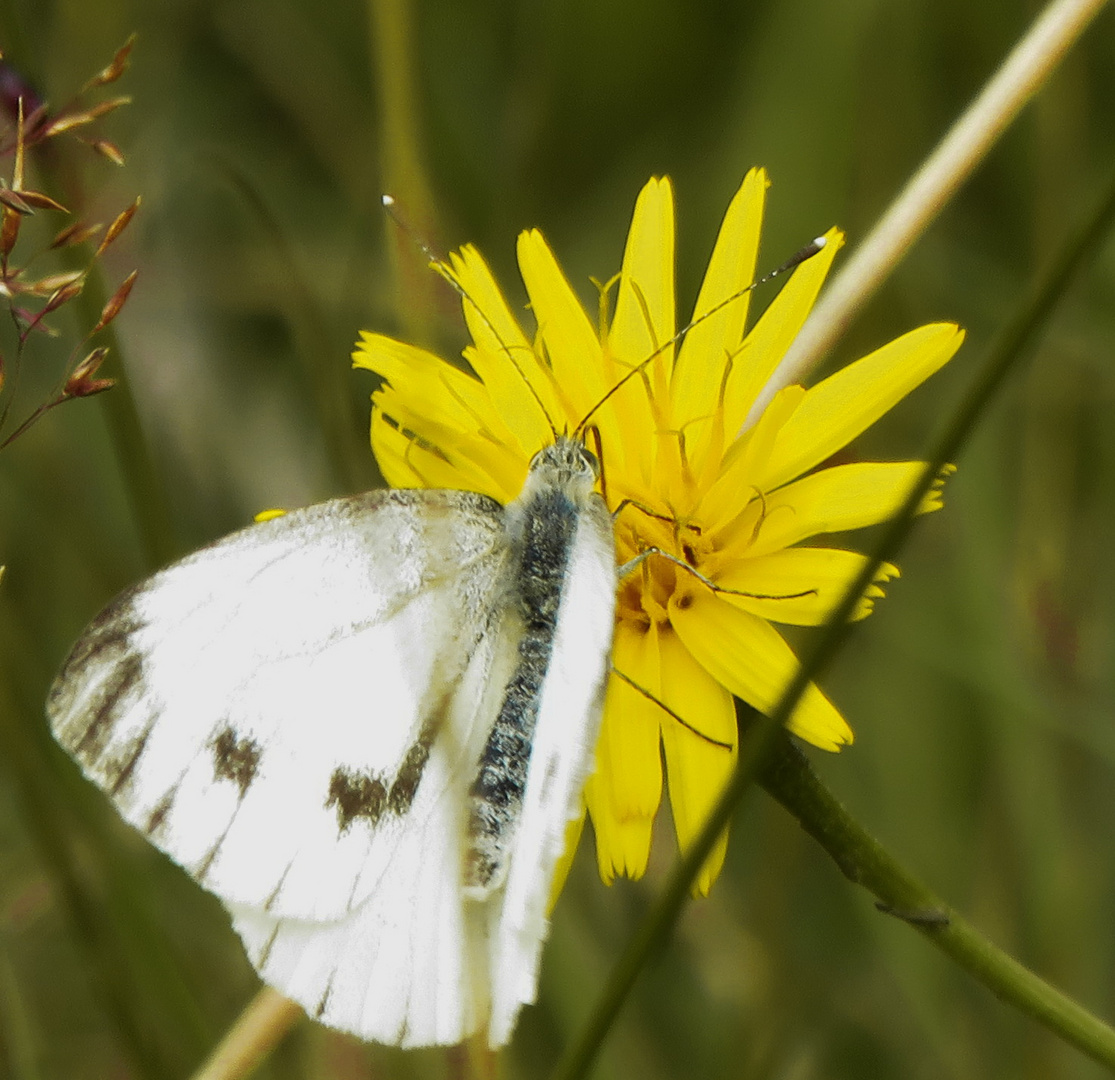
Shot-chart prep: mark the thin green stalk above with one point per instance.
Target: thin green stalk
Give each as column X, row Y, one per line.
column 404, row 174
column 1021, row 75
column 788, row 777
column 55, row 823
column 757, row 742
column 258, row 1029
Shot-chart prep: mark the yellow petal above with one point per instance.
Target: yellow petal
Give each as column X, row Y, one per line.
column 633, row 734
column 392, row 450
column 521, row 389
column 564, row 864
column 836, row 410
column 698, row 374
column 570, row 341
column 696, row 768
column 622, row 845
column 643, row 321
column 836, row 500
column 448, row 431
column 744, row 461
column 415, row 459
column 624, row 791
column 800, row 586
column 490, row 321
column 425, row 381
column 766, row 344
column 644, row 316
column 748, row 657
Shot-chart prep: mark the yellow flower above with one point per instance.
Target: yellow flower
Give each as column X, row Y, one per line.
column 731, row 506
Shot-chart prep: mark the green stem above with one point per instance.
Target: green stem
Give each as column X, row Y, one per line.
column 788, row 777
column 761, row 737
column 404, row 173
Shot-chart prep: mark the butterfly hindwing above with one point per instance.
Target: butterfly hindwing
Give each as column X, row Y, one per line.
column 265, row 709
column 409, row 964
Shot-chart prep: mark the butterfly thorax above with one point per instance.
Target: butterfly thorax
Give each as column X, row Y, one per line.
column 543, row 523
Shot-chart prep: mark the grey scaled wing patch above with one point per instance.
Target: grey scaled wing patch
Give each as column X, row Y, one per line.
column 368, row 797
column 102, row 676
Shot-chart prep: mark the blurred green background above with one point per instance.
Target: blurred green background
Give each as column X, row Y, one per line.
column 982, row 691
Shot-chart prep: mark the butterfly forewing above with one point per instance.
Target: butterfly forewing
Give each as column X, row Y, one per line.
column 265, row 709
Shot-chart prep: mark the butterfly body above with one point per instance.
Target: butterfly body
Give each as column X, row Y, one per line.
column 366, row 726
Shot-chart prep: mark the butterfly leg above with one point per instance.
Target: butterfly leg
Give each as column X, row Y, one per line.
column 633, row 564
column 666, row 708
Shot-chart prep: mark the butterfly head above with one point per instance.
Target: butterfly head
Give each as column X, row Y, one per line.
column 566, row 463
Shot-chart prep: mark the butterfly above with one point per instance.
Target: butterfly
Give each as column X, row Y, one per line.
column 365, row 726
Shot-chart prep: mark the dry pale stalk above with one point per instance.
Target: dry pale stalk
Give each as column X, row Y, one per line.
column 1022, row 74
column 268, row 1017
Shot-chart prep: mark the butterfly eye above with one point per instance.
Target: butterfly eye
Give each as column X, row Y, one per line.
column 592, row 461
column 568, row 456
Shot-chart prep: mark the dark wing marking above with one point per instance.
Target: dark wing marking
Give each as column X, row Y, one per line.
column 235, row 758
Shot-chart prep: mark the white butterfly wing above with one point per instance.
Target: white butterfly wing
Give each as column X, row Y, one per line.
column 410, row 964
column 409, row 974
column 264, row 709
column 297, row 715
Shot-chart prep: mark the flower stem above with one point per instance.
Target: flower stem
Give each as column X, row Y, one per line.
column 930, row 188
column 762, row 736
column 788, row 777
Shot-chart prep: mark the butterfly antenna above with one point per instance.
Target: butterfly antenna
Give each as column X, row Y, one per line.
column 442, row 268
column 795, row 260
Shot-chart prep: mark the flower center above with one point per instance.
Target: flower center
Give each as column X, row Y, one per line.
column 646, row 593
